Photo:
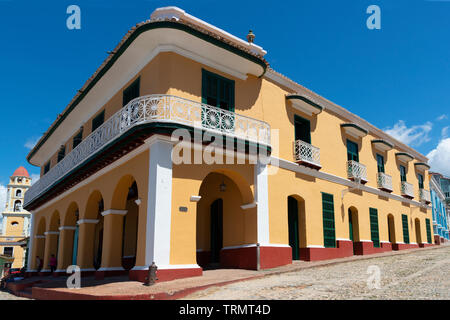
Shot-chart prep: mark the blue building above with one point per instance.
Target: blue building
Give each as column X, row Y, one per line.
column 440, row 199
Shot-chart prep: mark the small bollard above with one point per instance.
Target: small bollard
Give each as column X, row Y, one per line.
column 151, row 278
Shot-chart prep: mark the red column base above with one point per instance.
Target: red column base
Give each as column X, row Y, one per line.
column 404, row 246
column 344, row 248
column 246, row 257
column 363, row 248
column 425, row 245
column 165, row 274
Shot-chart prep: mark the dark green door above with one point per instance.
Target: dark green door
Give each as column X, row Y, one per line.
column 402, row 173
column 216, row 230
column 350, row 224
column 302, row 129
column 293, row 227
column 217, row 91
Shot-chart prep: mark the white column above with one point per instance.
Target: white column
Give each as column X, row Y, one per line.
column 30, row 243
column 159, row 202
column 4, row 225
column 262, row 200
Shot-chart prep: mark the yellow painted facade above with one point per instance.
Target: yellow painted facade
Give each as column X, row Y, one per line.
column 114, row 224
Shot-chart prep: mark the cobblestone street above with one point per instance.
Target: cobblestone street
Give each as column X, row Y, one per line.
column 416, row 275
column 4, row 295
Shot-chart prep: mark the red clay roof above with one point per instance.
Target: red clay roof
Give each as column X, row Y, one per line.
column 21, row 172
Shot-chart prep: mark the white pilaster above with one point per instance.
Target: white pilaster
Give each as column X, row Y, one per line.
column 159, row 207
column 262, row 200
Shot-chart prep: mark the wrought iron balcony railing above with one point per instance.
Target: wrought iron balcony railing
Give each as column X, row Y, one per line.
column 148, row 109
column 407, row 189
column 356, row 171
column 424, row 195
column 306, row 154
column 384, row 182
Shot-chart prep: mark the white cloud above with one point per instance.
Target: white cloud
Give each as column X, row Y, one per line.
column 439, row 158
column 442, row 117
column 31, row 142
column 34, row 178
column 2, row 197
column 413, row 136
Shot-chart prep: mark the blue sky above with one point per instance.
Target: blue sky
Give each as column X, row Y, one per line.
column 397, row 78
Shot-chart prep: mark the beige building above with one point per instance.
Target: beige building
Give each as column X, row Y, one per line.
column 15, row 221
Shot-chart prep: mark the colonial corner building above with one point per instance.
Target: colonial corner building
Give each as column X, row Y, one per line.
column 14, row 220
column 111, row 200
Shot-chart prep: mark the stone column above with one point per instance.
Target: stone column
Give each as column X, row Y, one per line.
column 85, row 255
column 31, row 250
column 112, row 240
column 65, row 247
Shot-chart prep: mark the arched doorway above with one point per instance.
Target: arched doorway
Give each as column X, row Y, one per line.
column 418, row 233
column 353, row 225
column 224, row 229
column 391, row 228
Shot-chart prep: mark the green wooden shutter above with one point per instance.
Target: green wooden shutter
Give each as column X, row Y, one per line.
column 405, row 228
column 374, row 227
column 329, row 234
column 131, row 92
column 350, row 224
column 352, row 151
column 380, row 163
column 217, row 91
column 420, row 181
column 402, row 173
column 428, row 230
column 98, row 120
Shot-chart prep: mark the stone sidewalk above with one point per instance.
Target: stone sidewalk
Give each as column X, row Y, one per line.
column 120, row 288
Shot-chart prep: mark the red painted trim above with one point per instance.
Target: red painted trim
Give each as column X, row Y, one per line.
column 437, row 240
column 425, row 245
column 344, row 248
column 404, row 246
column 241, row 258
column 364, row 247
column 271, row 257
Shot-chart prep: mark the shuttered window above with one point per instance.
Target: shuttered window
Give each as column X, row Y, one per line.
column 352, row 151
column 375, row 237
column 329, row 233
column 380, row 163
column 420, row 178
column 405, row 228
column 131, row 92
column 217, row 91
column 302, row 129
column 402, row 173
column 428, row 230
column 47, row 167
column 98, row 120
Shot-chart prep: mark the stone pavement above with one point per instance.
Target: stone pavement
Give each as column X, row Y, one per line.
column 122, row 288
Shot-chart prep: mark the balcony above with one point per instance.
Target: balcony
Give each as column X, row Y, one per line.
column 306, row 154
column 425, row 196
column 384, row 182
column 152, row 109
column 356, row 171
column 407, row 190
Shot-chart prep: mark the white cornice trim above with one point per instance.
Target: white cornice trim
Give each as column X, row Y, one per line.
column 248, row 206
column 114, row 211
column 51, row 232
column 288, row 165
column 87, row 221
column 67, row 228
column 195, row 198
